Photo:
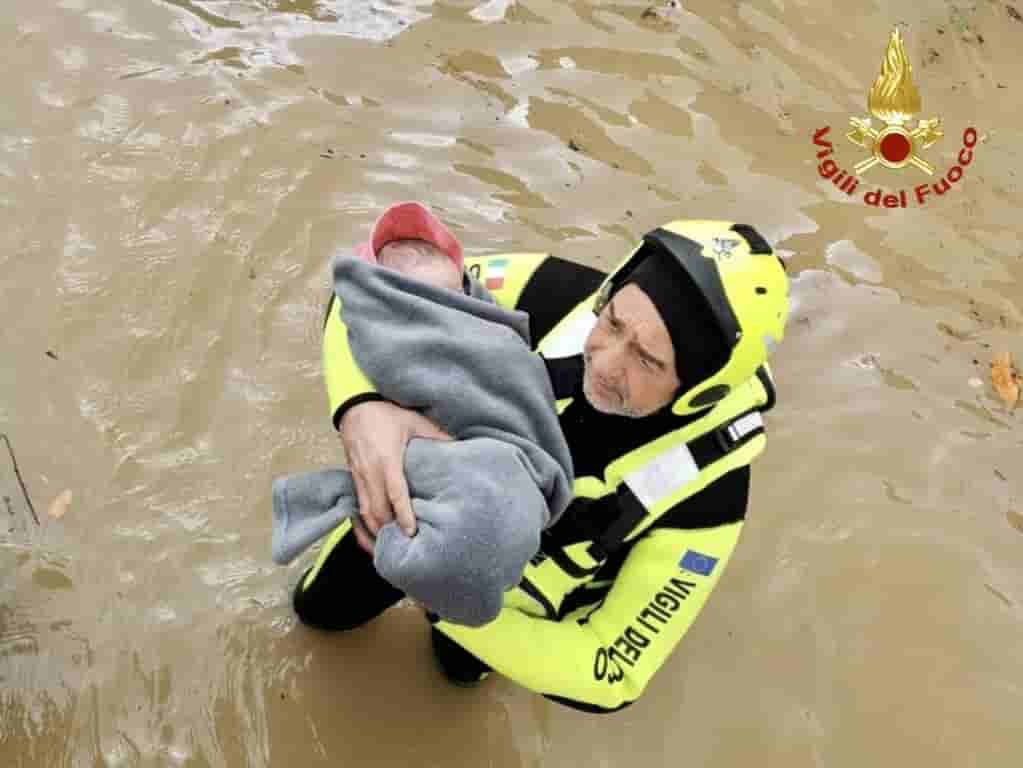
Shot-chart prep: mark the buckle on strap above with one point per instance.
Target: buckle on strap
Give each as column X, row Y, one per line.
column 729, row 435
column 723, row 439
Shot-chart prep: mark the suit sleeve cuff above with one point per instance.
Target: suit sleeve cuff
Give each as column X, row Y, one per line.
column 353, row 401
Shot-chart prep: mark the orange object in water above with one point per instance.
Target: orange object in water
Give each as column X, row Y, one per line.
column 1006, row 379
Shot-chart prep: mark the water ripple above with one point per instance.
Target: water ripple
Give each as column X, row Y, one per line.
column 255, row 33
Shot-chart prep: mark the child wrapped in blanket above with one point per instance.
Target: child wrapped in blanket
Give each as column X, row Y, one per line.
column 431, row 338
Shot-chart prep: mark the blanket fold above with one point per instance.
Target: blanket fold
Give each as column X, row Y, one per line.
column 482, row 500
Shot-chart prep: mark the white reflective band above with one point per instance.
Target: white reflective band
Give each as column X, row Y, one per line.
column 569, row 341
column 663, row 475
column 742, row 426
column 676, row 467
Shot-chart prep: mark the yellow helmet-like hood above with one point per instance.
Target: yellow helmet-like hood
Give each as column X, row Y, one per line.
column 745, row 289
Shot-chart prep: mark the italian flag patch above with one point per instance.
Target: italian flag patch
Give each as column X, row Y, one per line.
column 494, row 277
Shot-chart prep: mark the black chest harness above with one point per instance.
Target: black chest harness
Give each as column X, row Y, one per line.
column 607, row 521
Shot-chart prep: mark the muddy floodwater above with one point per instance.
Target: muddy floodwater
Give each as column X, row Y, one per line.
column 174, row 178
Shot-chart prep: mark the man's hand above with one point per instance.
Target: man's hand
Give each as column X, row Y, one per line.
column 375, row 434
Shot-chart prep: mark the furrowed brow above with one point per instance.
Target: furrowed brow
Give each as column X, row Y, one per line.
column 642, row 350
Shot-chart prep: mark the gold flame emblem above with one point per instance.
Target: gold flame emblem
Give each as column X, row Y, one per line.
column 893, row 100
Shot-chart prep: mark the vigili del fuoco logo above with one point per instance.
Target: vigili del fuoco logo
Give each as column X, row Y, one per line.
column 894, row 100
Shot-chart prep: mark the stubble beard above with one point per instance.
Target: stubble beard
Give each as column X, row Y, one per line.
column 622, row 408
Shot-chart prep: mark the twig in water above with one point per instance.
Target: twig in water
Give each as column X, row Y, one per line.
column 21, row 482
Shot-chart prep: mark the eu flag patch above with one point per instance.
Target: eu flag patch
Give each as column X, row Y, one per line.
column 697, row 562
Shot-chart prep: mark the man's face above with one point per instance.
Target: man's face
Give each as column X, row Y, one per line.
column 629, row 358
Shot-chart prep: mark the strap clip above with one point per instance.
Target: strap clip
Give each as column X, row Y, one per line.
column 723, row 438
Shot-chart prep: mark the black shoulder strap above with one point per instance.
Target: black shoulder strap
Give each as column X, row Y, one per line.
column 608, row 521
column 765, row 380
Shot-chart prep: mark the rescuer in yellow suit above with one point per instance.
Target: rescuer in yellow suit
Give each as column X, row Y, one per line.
column 660, row 375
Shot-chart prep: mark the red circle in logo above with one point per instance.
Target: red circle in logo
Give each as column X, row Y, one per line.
column 895, row 147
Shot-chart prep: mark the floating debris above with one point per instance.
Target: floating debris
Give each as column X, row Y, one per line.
column 868, row 360
column 1015, row 519
column 665, row 11
column 955, row 333
column 21, row 481
column 1006, row 379
column 60, row 505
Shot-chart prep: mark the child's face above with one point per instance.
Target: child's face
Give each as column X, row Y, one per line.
column 436, row 270
column 443, row 274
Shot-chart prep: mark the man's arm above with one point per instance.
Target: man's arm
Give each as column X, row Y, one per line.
column 375, row 441
column 346, row 384
column 603, row 661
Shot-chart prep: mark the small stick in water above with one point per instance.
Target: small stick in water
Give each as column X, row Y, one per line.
column 21, row 482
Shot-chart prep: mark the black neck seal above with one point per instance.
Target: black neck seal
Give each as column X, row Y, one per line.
column 699, row 348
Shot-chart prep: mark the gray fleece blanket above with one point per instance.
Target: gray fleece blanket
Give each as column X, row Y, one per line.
column 481, row 500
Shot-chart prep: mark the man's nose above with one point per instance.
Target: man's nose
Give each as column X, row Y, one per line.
column 610, row 361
